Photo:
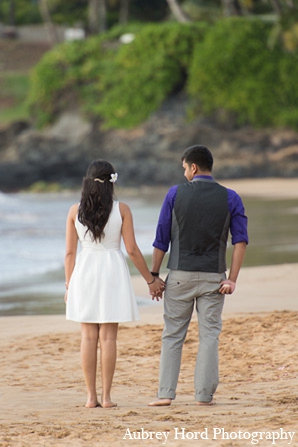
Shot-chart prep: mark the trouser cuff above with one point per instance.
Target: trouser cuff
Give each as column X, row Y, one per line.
column 166, row 393
column 203, row 397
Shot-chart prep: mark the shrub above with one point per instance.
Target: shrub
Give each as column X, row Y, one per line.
column 234, row 70
column 122, row 84
column 64, row 76
column 146, row 71
column 228, row 69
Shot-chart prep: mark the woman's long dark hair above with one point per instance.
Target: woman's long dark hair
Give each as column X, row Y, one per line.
column 97, row 198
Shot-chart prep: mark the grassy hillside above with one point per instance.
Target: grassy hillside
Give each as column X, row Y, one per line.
column 16, row 60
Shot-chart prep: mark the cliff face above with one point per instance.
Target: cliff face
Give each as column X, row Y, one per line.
column 148, row 154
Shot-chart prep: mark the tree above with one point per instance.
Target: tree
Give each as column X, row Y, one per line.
column 12, row 12
column 46, row 17
column 231, row 8
column 177, row 11
column 97, row 16
column 124, row 11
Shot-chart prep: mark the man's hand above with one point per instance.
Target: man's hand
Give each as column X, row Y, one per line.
column 159, row 287
column 227, row 287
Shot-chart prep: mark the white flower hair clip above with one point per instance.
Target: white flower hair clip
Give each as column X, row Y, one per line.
column 114, row 177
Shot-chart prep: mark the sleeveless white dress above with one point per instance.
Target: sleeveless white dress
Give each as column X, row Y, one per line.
column 100, row 288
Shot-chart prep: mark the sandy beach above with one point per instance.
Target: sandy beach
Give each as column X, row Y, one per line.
column 42, row 391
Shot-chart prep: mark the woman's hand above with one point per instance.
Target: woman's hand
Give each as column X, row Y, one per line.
column 157, row 288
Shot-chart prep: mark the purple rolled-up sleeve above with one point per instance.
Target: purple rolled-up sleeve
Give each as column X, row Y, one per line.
column 238, row 224
column 164, row 225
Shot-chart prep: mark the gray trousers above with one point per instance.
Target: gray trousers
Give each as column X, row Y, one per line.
column 184, row 291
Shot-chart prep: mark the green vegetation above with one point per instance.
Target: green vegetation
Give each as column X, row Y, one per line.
column 42, row 186
column 72, row 12
column 145, row 72
column 229, row 70
column 121, row 84
column 69, row 76
column 13, row 93
column 236, row 75
column 20, row 12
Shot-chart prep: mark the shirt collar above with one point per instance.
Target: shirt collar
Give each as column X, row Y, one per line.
column 208, row 177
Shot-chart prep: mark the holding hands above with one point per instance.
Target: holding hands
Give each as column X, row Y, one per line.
column 156, row 287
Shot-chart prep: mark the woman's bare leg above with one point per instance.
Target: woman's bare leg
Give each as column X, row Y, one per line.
column 108, row 355
column 89, row 344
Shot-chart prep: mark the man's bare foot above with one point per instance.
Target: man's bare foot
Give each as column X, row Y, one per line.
column 160, row 403
column 204, row 404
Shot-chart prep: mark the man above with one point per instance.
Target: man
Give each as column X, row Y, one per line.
column 195, row 219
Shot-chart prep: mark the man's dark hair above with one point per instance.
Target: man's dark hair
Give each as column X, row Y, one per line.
column 200, row 156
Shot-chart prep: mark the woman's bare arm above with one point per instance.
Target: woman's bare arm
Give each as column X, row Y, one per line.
column 71, row 245
column 133, row 250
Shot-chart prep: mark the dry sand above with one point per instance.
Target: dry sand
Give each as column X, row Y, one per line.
column 42, row 391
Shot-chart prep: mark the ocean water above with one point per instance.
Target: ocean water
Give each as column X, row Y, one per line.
column 32, row 240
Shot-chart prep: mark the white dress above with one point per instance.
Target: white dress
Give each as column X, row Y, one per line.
column 100, row 288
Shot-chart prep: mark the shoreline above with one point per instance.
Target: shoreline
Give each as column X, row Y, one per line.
column 243, row 300
column 271, row 187
column 42, row 390
column 267, row 187
column 260, row 290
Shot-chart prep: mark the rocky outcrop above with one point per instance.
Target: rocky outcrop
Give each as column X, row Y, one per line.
column 148, row 154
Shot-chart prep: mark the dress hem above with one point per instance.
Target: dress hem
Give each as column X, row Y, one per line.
column 102, row 322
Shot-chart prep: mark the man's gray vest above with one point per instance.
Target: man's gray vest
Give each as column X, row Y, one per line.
column 200, row 227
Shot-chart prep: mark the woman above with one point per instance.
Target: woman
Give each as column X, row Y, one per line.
column 99, row 292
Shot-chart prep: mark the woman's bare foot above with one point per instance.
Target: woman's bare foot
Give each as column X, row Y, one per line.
column 92, row 402
column 109, row 404
column 160, row 403
column 92, row 405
